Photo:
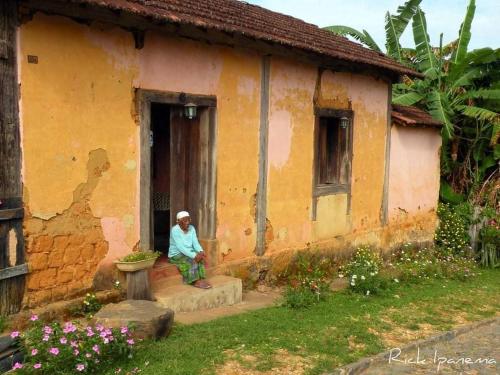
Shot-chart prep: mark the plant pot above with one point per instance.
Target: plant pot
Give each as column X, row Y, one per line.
column 135, row 266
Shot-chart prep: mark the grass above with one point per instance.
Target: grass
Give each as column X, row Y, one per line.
column 340, row 330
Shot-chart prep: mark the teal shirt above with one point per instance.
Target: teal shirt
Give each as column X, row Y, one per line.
column 183, row 243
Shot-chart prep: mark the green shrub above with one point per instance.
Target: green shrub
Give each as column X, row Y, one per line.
column 364, row 272
column 307, row 285
column 71, row 348
column 489, row 237
column 452, row 235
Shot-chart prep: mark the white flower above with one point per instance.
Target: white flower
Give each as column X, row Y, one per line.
column 367, row 292
column 340, row 275
column 362, row 277
column 396, row 280
column 354, row 276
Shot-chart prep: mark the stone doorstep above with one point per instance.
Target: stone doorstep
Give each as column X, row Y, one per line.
column 252, row 300
column 172, row 294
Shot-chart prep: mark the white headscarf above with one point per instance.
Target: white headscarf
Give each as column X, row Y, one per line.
column 182, row 214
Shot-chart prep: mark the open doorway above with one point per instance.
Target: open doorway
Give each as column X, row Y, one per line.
column 175, row 170
column 178, row 166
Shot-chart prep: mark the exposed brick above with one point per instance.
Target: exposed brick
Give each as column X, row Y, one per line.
column 76, row 239
column 61, row 242
column 101, row 249
column 72, row 255
column 38, row 261
column 65, row 275
column 33, row 281
column 47, row 278
column 56, row 258
column 87, row 252
column 43, row 244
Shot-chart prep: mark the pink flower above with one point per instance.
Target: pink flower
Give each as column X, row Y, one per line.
column 54, row 351
column 80, row 367
column 73, row 344
column 130, row 341
column 47, row 330
column 105, row 340
column 76, row 352
column 90, row 333
column 34, row 351
column 14, row 334
column 63, row 340
column 88, row 355
column 45, row 338
column 17, row 365
column 37, row 365
column 124, row 330
column 99, row 327
column 69, row 327
column 95, row 348
column 34, row 318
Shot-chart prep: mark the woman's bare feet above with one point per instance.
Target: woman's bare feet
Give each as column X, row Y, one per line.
column 202, row 284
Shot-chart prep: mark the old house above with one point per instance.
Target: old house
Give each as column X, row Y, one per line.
column 275, row 134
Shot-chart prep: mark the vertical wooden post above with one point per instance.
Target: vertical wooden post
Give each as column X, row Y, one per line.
column 261, row 203
column 11, row 209
column 384, row 214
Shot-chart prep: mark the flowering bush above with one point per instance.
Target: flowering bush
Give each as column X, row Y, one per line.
column 452, row 234
column 414, row 264
column 364, row 272
column 307, row 286
column 53, row 348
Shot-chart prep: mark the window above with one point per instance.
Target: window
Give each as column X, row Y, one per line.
column 333, row 151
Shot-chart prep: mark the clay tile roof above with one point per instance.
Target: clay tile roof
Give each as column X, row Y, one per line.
column 412, row 116
column 255, row 22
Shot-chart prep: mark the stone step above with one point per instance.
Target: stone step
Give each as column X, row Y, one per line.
column 172, row 294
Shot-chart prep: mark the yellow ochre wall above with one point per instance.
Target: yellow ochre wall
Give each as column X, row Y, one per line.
column 80, row 143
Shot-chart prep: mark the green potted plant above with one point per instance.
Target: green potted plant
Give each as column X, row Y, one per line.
column 137, row 261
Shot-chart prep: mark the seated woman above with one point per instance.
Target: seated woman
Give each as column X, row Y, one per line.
column 186, row 253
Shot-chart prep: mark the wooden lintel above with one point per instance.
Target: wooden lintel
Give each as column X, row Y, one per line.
column 331, row 112
column 177, row 98
column 8, row 273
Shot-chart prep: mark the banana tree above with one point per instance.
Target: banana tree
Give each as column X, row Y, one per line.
column 462, row 90
column 395, row 25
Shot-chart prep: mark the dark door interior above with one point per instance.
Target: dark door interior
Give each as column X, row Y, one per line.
column 175, row 169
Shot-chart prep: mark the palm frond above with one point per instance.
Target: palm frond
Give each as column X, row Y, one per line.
column 440, row 110
column 409, row 98
column 425, row 55
column 491, row 94
column 478, row 113
column 464, row 34
column 466, row 79
column 392, row 38
column 361, row 36
column 403, row 15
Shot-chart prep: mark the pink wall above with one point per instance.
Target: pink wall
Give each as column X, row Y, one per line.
column 414, row 171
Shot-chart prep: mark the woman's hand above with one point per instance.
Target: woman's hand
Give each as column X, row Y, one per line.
column 199, row 257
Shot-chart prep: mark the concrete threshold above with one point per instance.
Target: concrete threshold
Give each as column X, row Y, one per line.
column 172, row 294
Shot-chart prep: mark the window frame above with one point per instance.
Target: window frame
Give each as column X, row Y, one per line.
column 330, row 189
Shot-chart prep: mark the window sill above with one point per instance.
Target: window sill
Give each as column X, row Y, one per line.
column 322, row 190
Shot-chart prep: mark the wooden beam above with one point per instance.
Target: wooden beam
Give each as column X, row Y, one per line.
column 12, row 213
column 10, row 148
column 384, row 207
column 8, row 273
column 261, row 202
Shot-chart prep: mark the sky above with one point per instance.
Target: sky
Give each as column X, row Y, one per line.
column 443, row 16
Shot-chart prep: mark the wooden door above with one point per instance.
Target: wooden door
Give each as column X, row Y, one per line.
column 12, row 262
column 184, row 165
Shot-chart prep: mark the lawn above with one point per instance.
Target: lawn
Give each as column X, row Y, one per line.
column 338, row 331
